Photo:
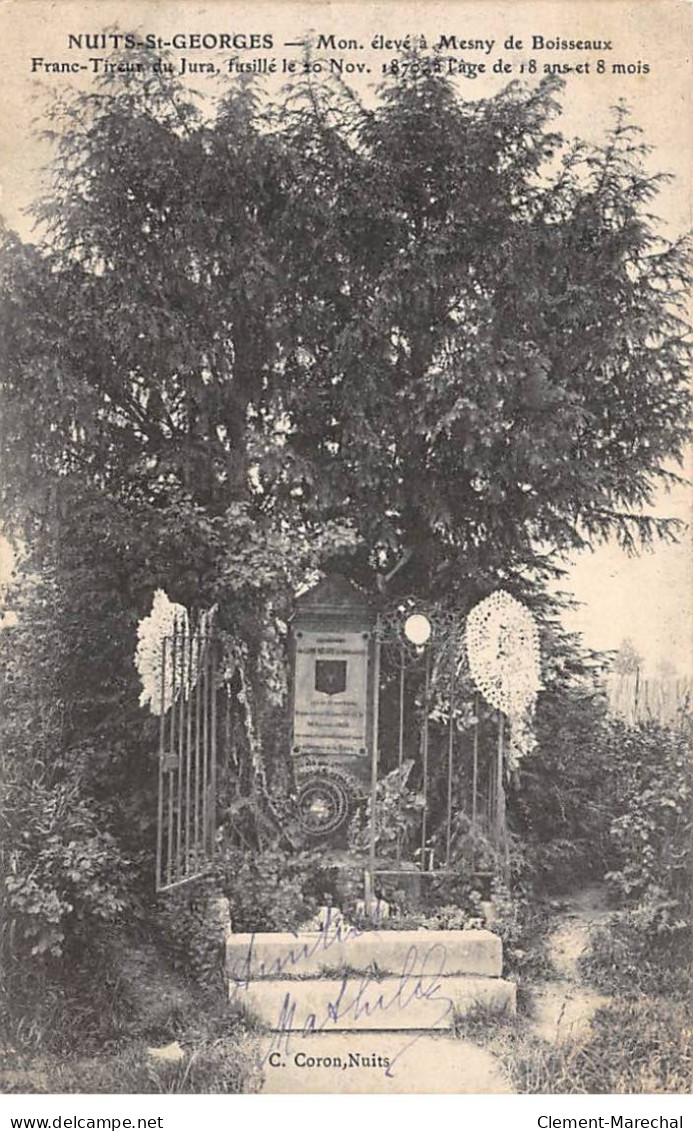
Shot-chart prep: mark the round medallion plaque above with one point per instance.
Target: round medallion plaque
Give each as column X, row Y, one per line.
column 323, row 803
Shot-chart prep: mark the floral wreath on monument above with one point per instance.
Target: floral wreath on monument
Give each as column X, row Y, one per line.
column 326, row 795
column 502, row 644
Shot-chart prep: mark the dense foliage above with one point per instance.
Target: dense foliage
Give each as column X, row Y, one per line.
column 433, row 319
column 652, row 822
column 647, row 944
column 564, row 805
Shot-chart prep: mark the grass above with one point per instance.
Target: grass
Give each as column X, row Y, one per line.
column 638, row 1043
column 212, row 1066
column 93, row 1035
column 337, row 973
column 482, row 1023
column 633, row 1046
column 624, row 957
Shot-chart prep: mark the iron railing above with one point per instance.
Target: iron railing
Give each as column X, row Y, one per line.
column 187, row 758
column 457, row 771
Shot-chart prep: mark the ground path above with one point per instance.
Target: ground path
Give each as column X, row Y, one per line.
column 564, row 1006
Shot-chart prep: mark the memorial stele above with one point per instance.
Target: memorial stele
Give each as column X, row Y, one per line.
column 332, row 701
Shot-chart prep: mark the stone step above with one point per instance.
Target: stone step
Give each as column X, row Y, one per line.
column 425, row 1001
column 388, row 952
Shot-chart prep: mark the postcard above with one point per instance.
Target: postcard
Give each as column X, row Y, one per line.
column 346, row 576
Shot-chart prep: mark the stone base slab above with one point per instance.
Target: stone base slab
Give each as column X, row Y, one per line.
column 359, row 1003
column 249, row 957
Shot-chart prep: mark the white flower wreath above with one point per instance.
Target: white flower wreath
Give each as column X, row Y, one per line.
column 165, row 619
column 502, row 644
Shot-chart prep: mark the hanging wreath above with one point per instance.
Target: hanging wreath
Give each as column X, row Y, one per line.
column 166, row 620
column 502, row 644
column 326, row 799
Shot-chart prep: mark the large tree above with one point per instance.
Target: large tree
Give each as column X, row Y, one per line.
column 429, row 341
column 432, row 319
column 485, row 333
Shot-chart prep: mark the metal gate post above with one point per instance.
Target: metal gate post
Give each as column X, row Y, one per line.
column 374, row 765
column 424, row 753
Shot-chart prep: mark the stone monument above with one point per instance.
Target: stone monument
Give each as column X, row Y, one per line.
column 332, row 704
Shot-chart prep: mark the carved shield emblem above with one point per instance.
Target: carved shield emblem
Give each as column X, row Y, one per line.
column 330, row 676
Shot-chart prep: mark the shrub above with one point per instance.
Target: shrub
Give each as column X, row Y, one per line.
column 65, row 875
column 641, row 951
column 186, row 927
column 273, row 889
column 563, row 801
column 398, row 816
column 645, row 947
column 650, row 833
column 523, row 924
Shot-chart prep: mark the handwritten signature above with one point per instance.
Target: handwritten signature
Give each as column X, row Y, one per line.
column 419, row 980
column 333, row 930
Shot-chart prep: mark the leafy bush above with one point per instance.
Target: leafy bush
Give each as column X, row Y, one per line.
column 188, row 930
column 563, row 802
column 273, row 889
column 523, row 924
column 651, row 831
column 65, row 875
column 645, row 947
column 64, row 801
column 601, row 798
column 398, row 815
column 641, row 951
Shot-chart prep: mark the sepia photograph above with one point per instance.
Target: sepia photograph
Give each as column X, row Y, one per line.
column 346, row 588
